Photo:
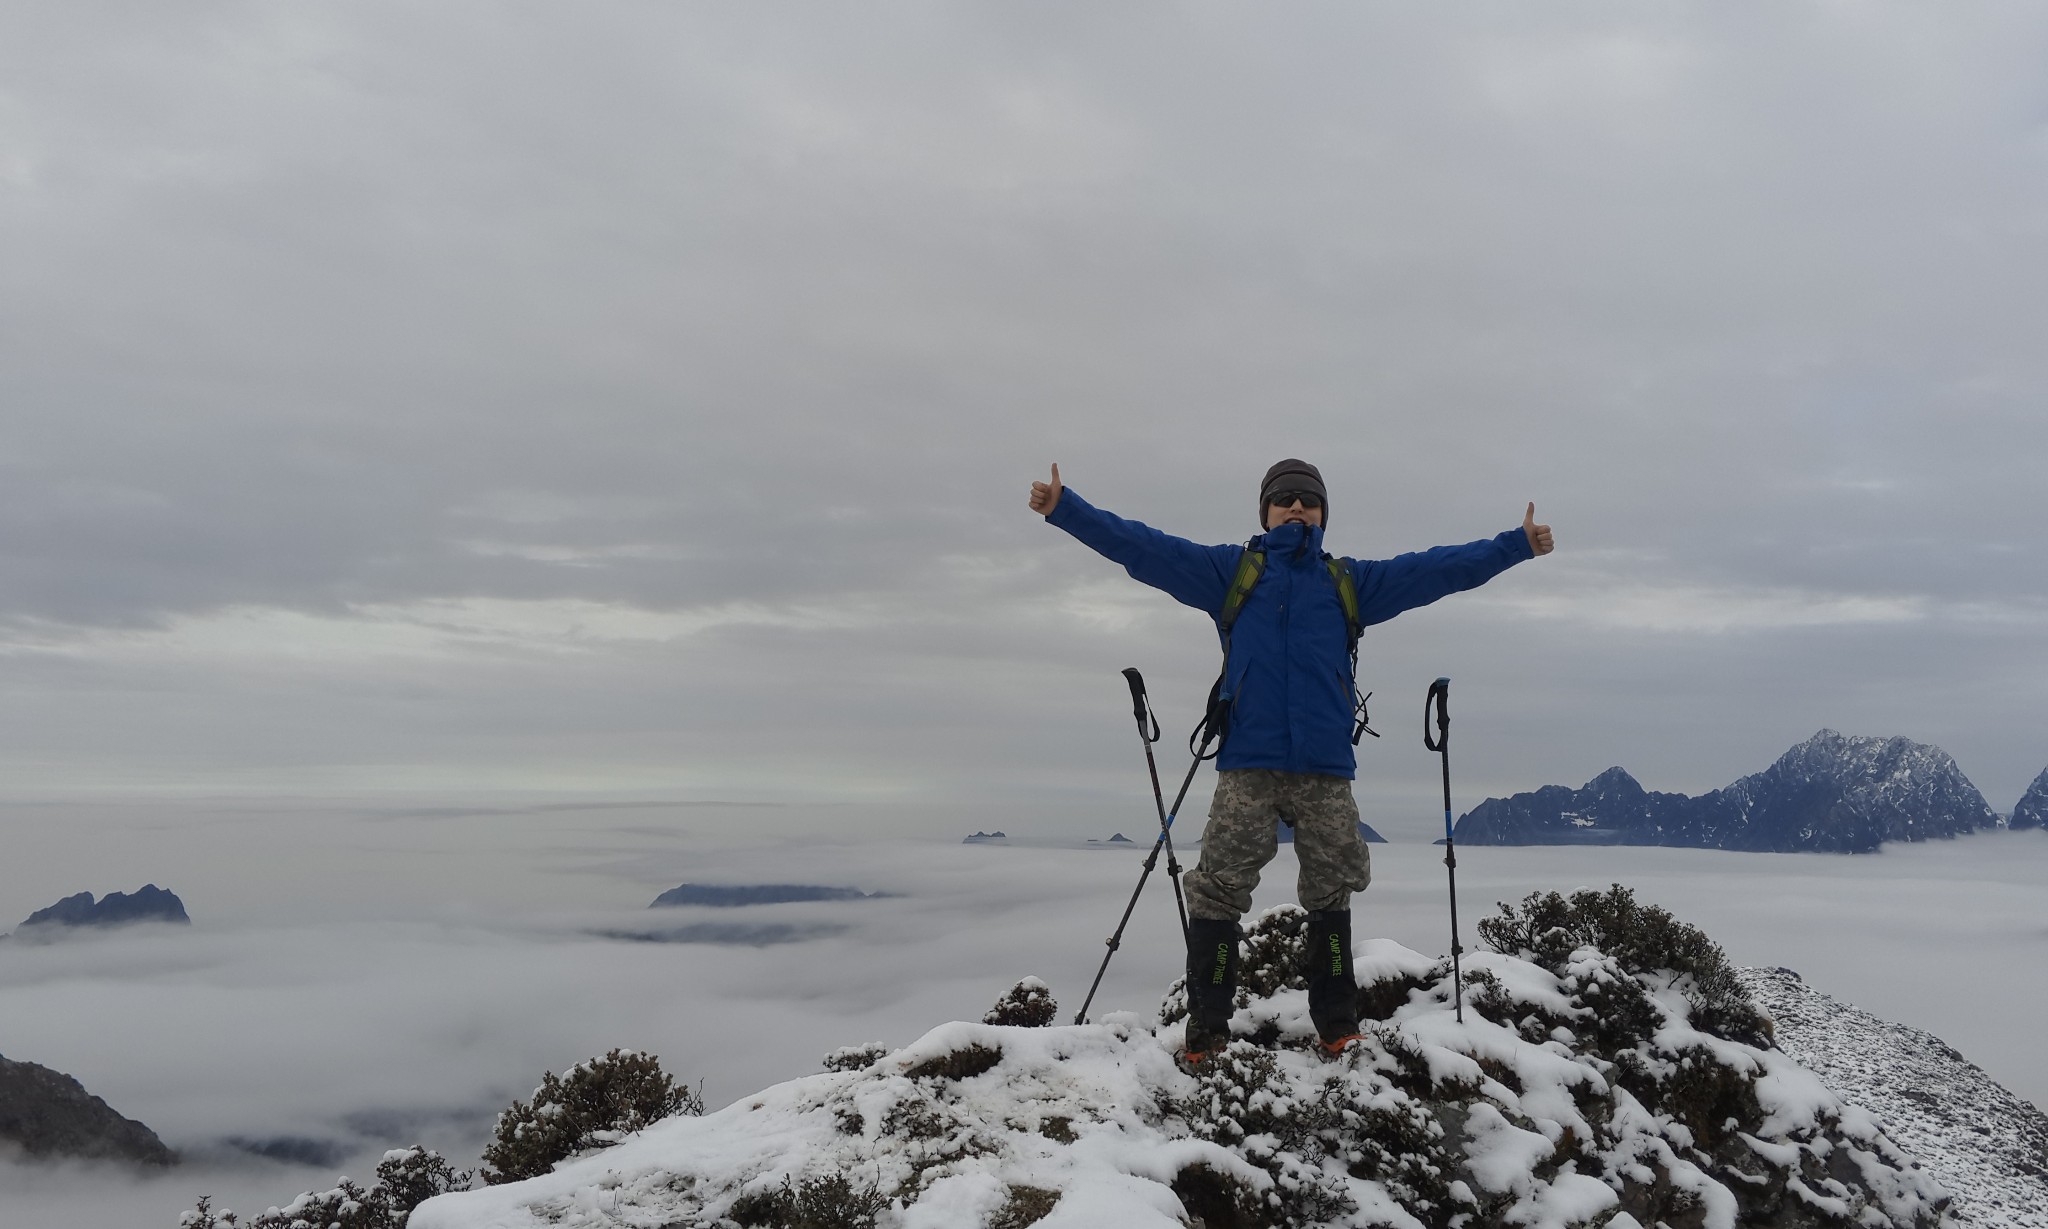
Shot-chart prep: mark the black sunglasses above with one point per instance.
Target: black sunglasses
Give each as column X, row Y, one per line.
column 1307, row 499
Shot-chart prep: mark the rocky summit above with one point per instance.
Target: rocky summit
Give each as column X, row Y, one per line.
column 1833, row 793
column 1581, row 1088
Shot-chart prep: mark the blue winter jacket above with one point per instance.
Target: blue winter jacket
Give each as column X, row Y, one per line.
column 1289, row 664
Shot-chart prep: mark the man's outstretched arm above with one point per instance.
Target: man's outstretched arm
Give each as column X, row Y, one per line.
column 1191, row 574
column 1386, row 587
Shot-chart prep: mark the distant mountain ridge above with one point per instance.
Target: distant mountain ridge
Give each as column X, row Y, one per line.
column 148, row 903
column 1833, row 793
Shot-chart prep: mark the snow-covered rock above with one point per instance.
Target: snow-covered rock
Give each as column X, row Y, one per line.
column 1833, row 793
column 1578, row 1095
column 2032, row 811
column 1979, row 1141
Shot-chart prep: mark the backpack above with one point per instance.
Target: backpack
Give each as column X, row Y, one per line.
column 1250, row 566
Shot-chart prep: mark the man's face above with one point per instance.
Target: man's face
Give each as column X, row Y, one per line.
column 1292, row 508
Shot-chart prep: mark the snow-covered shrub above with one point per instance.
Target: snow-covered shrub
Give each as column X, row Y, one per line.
column 1273, row 955
column 406, row 1178
column 1028, row 1004
column 1308, row 1131
column 831, row 1201
column 1644, row 940
column 855, row 1057
column 1271, row 958
column 204, row 1217
column 594, row 1105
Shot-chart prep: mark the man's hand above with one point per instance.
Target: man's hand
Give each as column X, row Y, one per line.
column 1045, row 496
column 1539, row 535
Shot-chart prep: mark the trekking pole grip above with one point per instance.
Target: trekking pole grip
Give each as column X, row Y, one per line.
column 1141, row 707
column 1437, row 705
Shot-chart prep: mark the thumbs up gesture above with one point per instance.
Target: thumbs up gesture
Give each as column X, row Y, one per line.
column 1045, row 496
column 1540, row 541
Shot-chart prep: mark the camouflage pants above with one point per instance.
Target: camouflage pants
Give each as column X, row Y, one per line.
column 1243, row 835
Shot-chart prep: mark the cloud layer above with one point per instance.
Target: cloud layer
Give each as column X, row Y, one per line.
column 360, row 979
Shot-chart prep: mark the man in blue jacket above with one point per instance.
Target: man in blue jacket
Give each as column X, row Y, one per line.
column 1287, row 752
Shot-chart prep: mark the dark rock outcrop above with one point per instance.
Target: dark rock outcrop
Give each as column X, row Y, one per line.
column 733, row 896
column 1830, row 794
column 48, row 1114
column 2032, row 812
column 1366, row 833
column 731, row 934
column 149, row 903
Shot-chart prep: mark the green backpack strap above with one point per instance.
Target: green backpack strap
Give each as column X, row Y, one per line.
column 1347, row 593
column 1250, row 566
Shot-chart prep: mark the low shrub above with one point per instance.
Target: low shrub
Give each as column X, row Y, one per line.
column 855, row 1057
column 593, row 1105
column 1644, row 940
column 1028, row 1004
column 1274, row 954
column 406, row 1178
column 832, row 1201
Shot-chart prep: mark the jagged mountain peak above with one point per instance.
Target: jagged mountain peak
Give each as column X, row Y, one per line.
column 1831, row 747
column 1616, row 779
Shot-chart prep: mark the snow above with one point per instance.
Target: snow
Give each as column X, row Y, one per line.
column 1503, row 1155
column 952, row 1123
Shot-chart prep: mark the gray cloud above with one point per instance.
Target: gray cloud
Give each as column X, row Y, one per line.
column 496, row 394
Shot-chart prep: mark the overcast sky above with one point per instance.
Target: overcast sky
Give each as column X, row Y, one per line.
column 643, row 398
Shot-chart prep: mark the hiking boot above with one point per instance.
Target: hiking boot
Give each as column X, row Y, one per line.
column 1332, row 989
column 1211, row 985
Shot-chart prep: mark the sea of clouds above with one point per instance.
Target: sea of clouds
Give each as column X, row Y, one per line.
column 361, row 975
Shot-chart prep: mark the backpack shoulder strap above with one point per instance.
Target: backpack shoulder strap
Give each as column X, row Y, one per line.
column 1249, row 567
column 1347, row 593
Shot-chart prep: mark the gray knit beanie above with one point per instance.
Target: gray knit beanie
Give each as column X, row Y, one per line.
column 1292, row 475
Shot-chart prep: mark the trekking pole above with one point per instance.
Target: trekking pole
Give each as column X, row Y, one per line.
column 1438, row 704
column 1148, row 729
